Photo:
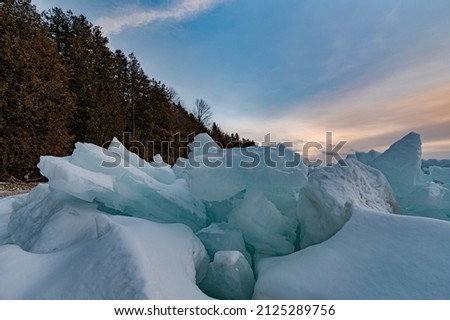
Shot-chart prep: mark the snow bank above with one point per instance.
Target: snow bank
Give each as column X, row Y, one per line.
column 63, row 248
column 374, row 256
column 325, row 203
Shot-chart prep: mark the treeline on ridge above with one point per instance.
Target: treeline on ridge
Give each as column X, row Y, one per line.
column 60, row 83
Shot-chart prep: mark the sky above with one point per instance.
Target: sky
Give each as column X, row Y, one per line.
column 367, row 71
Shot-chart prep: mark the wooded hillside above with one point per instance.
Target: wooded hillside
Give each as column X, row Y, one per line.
column 61, row 83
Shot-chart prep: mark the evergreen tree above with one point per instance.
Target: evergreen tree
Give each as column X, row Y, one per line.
column 35, row 100
column 138, row 96
column 100, row 111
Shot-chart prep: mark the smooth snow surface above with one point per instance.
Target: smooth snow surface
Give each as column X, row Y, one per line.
column 374, row 256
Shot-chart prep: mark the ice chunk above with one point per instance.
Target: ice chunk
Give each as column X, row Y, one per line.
column 374, row 256
column 203, row 144
column 367, row 157
column 222, row 237
column 234, row 170
column 71, row 221
column 164, row 173
column 286, row 202
column 229, row 277
column 426, row 164
column 77, row 181
column 325, row 203
column 429, row 200
column 263, row 226
column 415, row 191
column 63, row 248
column 218, row 211
column 158, row 159
column 158, row 169
column 123, row 189
column 440, row 174
column 401, row 163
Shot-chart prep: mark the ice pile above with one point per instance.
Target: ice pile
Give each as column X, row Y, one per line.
column 426, row 164
column 110, row 225
column 119, row 181
column 249, row 212
column 253, row 190
column 440, row 175
column 416, row 193
column 230, row 171
column 374, row 256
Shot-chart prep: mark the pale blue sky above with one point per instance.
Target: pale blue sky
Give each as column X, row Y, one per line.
column 370, row 71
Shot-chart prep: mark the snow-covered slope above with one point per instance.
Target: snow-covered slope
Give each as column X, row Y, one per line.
column 374, row 256
column 77, row 252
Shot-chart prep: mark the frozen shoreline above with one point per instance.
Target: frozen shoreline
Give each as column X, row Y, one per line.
column 11, row 189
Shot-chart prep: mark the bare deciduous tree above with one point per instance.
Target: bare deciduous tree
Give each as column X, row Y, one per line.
column 202, row 112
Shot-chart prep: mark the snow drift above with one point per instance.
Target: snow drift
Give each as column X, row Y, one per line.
column 374, row 256
column 62, row 248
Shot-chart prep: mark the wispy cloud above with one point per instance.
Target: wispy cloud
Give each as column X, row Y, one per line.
column 177, row 10
column 372, row 116
column 379, row 114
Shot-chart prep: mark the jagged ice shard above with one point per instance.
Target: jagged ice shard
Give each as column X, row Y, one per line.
column 416, row 193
